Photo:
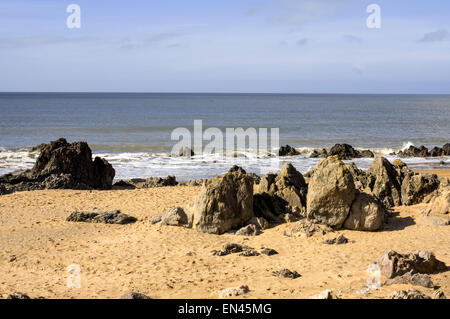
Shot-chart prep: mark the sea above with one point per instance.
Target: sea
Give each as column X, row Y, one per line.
column 133, row 130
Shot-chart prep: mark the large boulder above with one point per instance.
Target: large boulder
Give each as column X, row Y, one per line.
column 359, row 176
column 366, row 214
column 63, row 165
column 416, row 187
column 384, row 182
column 446, row 149
column 223, row 204
column 344, row 152
column 331, row 193
column 413, row 151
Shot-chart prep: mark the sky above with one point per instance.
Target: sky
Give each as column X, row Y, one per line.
column 249, row 46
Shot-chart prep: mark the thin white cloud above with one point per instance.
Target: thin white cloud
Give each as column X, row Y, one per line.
column 436, row 36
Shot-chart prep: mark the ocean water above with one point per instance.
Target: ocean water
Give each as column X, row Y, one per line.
column 133, row 131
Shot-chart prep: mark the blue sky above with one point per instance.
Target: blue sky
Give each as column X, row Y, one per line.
column 270, row 46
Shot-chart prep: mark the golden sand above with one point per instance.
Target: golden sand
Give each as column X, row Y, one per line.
column 37, row 245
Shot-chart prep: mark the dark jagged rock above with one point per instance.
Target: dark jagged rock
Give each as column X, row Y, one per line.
column 367, row 153
column 393, row 264
column 18, row 295
column 62, row 165
column 124, row 184
column 237, row 169
column 344, row 152
column 384, row 182
column 319, row 153
column 359, row 176
column 413, row 151
column 160, row 182
column 286, row 273
column 446, row 149
column 341, row 239
column 113, row 217
column 287, row 151
column 281, row 194
column 134, row 295
column 269, row 251
column 436, row 152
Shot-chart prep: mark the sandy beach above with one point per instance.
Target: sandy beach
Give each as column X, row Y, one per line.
column 37, row 245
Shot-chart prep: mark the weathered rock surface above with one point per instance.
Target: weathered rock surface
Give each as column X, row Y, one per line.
column 307, row 228
column 341, row 239
column 160, row 182
column 175, row 217
column 224, row 204
column 319, row 153
column 233, row 292
column 366, row 214
column 344, row 152
column 287, row 151
column 331, row 193
column 249, row 230
column 269, row 251
column 62, row 165
column 393, row 264
column 416, row 187
column 280, row 194
column 260, row 223
column 384, row 183
column 408, row 294
column 113, row 217
column 124, row 185
column 411, row 278
column 18, row 295
column 286, row 273
column 134, row 295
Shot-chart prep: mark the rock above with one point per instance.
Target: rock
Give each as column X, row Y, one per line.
column 307, row 228
column 446, row 149
column 326, row 294
column 408, row 294
column 367, row 153
column 113, row 217
column 413, row 151
column 438, row 295
column 318, row 153
column 411, row 278
column 18, row 295
column 286, row 273
column 331, row 192
column 344, row 152
column 271, row 208
column 175, row 217
column 366, row 214
column 62, row 165
column 160, row 182
column 393, row 264
column 224, row 204
column 384, row 183
column 250, row 252
column 233, row 292
column 260, row 222
column 338, row 240
column 249, row 230
column 124, row 185
column 416, row 187
column 3, row 190
column 268, row 251
column 237, row 169
column 156, row 220
column 134, row 295
column 186, row 152
column 437, row 152
column 287, row 151
column 229, row 249
column 359, row 176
